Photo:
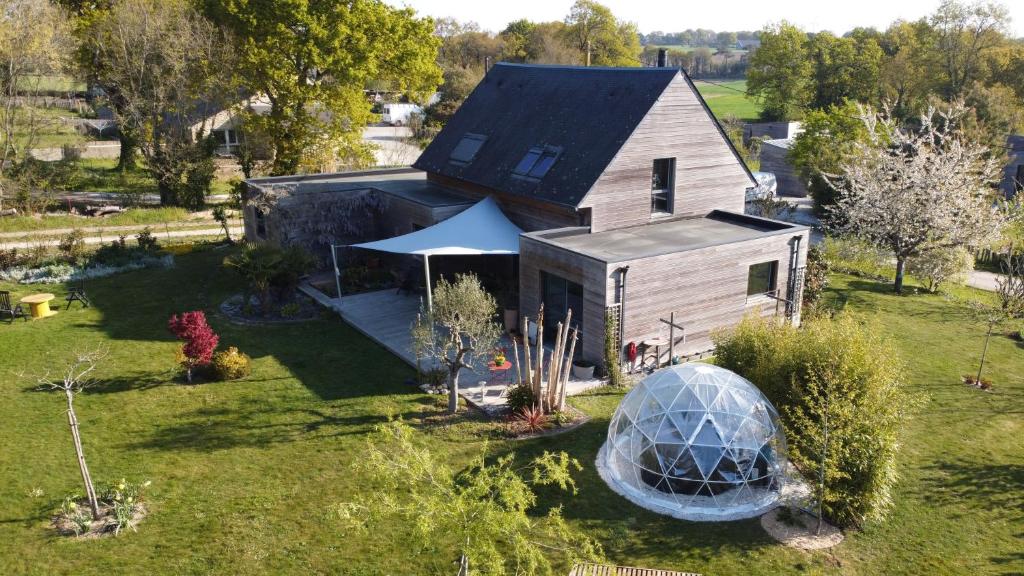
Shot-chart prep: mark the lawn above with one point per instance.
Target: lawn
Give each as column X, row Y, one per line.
column 134, row 217
column 51, row 130
column 245, row 473
column 724, row 100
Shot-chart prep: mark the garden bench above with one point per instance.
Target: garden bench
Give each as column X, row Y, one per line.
column 12, row 312
column 78, row 293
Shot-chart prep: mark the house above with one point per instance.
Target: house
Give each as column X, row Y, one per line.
column 628, row 194
column 1013, row 174
column 770, row 131
column 775, row 159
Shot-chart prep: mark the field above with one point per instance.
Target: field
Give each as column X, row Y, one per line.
column 725, row 102
column 245, row 473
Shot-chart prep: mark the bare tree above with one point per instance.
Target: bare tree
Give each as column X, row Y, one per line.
column 73, row 381
column 459, row 328
column 912, row 190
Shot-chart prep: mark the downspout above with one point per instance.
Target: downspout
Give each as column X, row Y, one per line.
column 622, row 311
column 794, row 267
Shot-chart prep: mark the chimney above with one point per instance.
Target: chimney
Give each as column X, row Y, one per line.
column 662, row 57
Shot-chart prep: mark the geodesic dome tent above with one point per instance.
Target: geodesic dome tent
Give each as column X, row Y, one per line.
column 698, row 442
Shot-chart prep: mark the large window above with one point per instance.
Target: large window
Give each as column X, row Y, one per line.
column 465, row 151
column 663, row 185
column 762, row 277
column 537, row 161
column 559, row 296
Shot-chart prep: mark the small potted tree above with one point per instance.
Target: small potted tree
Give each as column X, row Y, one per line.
column 583, row 369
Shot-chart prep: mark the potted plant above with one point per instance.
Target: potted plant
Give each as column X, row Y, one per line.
column 583, row 369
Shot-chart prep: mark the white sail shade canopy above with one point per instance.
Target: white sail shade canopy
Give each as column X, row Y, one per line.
column 480, row 229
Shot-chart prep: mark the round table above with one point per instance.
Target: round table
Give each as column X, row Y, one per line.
column 500, row 369
column 655, row 343
column 40, row 305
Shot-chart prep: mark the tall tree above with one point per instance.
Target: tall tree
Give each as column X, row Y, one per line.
column 780, row 72
column 600, row 38
column 904, row 76
column 827, row 140
column 311, row 60
column 33, row 37
column 165, row 66
column 516, row 37
column 964, row 33
column 911, row 190
column 844, row 69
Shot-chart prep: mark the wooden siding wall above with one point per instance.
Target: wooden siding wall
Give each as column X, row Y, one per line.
column 530, row 215
column 706, row 288
column 775, row 159
column 535, row 257
column 708, row 174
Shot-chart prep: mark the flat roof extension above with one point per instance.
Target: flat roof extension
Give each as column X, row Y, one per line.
column 667, row 237
column 407, row 183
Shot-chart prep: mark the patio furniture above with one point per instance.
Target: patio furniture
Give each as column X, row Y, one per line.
column 651, row 362
column 502, row 370
column 39, row 304
column 11, row 312
column 78, row 293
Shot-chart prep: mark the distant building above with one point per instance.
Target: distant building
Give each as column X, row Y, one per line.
column 771, row 131
column 775, row 159
column 1013, row 176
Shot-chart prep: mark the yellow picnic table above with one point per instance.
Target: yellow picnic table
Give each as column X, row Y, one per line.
column 40, row 305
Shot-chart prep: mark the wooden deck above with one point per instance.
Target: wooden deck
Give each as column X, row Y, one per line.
column 386, row 317
column 609, row 570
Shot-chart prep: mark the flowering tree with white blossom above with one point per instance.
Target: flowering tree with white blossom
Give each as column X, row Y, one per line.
column 911, row 190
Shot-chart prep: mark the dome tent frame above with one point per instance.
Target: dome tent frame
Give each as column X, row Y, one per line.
column 697, row 442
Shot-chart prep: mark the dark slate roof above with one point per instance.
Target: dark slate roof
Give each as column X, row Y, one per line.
column 588, row 112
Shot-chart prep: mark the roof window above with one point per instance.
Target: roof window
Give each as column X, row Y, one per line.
column 537, row 161
column 465, row 151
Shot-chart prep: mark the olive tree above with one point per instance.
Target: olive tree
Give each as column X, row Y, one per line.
column 485, row 517
column 911, row 190
column 457, row 330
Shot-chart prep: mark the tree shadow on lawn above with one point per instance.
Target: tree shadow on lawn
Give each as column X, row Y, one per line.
column 326, row 355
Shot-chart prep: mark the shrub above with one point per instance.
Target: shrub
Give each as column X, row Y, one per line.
column 199, row 340
column 941, row 265
column 9, row 258
column 78, row 516
column 836, row 375
column 290, row 310
column 270, row 271
column 147, row 242
column 859, row 258
column 815, row 277
column 230, row 364
column 125, row 499
column 72, row 246
column 519, row 397
column 532, row 418
column 611, row 350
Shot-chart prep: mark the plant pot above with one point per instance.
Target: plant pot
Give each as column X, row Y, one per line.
column 511, row 319
column 584, row 372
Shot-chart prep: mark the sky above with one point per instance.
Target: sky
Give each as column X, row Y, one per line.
column 678, row 15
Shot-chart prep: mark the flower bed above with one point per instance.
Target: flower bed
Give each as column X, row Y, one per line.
column 61, row 273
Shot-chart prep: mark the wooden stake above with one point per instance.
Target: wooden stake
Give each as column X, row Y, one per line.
column 554, row 363
column 568, row 367
column 538, row 377
column 526, row 352
column 515, row 356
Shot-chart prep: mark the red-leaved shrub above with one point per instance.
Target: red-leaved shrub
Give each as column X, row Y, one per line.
column 199, row 340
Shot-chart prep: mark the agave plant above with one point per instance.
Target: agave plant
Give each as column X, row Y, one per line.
column 532, row 418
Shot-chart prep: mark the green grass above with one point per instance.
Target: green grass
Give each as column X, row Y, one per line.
column 245, row 473
column 724, row 100
column 58, row 82
column 101, row 175
column 135, row 216
column 51, row 132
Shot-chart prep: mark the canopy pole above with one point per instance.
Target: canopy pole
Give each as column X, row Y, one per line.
column 426, row 273
column 337, row 273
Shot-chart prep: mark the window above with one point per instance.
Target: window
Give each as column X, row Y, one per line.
column 537, row 161
column 559, row 296
column 261, row 223
column 465, row 151
column 663, row 185
column 761, row 278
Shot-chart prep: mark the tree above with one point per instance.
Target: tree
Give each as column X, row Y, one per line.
column 600, row 38
column 484, row 516
column 33, row 38
column 75, row 380
column 912, row 190
column 780, row 72
column 311, row 60
column 163, row 66
column 964, row 33
column 828, row 139
column 199, row 340
column 458, row 330
column 940, row 266
column 843, row 69
column 905, row 72
column 839, row 388
column 516, row 39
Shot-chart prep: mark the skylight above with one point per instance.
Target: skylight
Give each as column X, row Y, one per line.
column 465, row 151
column 537, row 161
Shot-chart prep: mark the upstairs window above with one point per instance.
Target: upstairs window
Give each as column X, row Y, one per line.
column 465, row 151
column 761, row 278
column 537, row 161
column 663, row 185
